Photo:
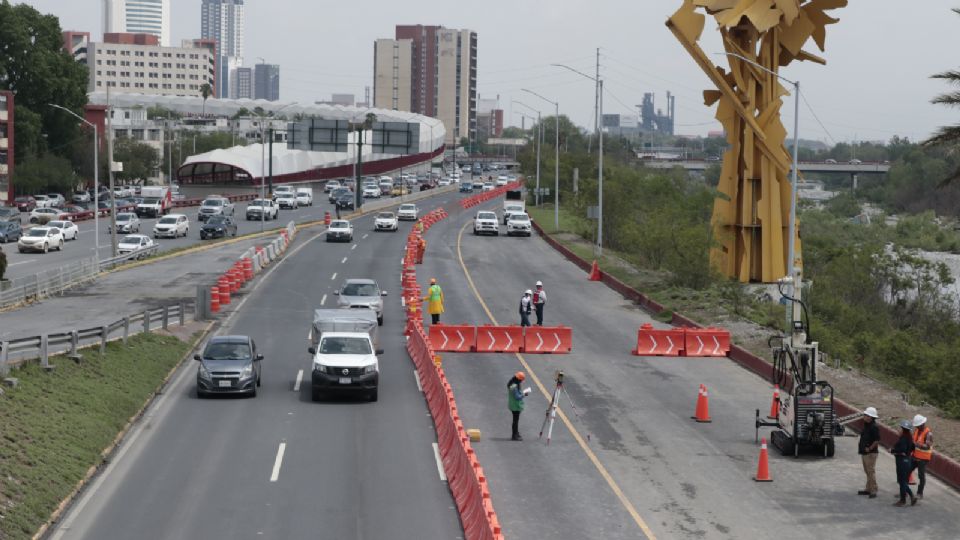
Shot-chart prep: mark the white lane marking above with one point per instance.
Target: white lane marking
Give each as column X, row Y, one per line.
column 416, row 377
column 353, row 247
column 21, row 262
column 344, row 261
column 333, row 277
column 365, row 237
column 296, row 385
column 279, row 461
column 436, row 454
column 323, row 300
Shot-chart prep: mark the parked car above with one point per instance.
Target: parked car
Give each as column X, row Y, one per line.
column 215, row 206
column 486, row 222
column 229, row 365
column 10, row 213
column 262, row 210
column 74, row 209
column 10, row 231
column 39, row 216
column 385, row 221
column 408, row 212
column 218, row 227
column 127, row 222
column 361, row 293
column 172, row 225
column 41, row 239
column 56, row 200
column 68, row 229
column 134, row 242
column 340, row 230
column 25, row 203
column 42, row 201
column 80, row 197
column 346, row 201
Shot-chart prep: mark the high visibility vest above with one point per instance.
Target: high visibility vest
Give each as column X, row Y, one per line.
column 920, row 437
column 435, row 293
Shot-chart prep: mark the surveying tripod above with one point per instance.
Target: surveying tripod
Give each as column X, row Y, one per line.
column 551, row 413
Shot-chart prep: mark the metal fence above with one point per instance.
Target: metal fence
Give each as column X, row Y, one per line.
column 17, row 351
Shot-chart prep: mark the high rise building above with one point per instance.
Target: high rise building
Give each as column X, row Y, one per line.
column 138, row 17
column 222, row 21
column 244, row 83
column 266, row 82
column 135, row 63
column 429, row 70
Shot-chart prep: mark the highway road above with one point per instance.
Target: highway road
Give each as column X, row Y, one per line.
column 634, row 464
column 348, row 469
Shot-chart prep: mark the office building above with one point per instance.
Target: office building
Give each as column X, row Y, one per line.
column 6, row 147
column 266, row 82
column 430, row 70
column 134, row 63
column 75, row 44
column 138, row 17
column 223, row 22
column 244, row 83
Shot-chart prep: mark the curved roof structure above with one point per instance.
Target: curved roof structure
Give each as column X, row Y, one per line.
column 248, row 164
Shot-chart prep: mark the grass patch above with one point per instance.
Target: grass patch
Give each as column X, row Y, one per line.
column 54, row 426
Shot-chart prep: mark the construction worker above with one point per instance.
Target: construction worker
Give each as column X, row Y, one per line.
column 539, row 299
column 434, row 299
column 515, row 396
column 869, row 448
column 421, row 248
column 923, row 439
column 903, row 455
column 525, row 302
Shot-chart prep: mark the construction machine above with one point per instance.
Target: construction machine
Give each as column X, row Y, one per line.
column 805, row 415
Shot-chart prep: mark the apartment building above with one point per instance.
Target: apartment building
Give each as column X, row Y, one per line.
column 135, row 63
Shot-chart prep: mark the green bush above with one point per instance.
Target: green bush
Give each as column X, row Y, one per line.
column 3, row 263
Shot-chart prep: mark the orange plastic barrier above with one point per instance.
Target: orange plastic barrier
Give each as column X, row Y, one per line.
column 706, row 342
column 653, row 342
column 547, row 339
column 453, row 338
column 499, row 338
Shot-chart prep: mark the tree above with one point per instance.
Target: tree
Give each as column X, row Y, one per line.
column 3, row 264
column 205, row 90
column 46, row 173
column 948, row 135
column 140, row 161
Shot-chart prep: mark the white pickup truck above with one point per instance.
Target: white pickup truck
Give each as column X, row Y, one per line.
column 486, row 223
column 157, row 201
column 344, row 344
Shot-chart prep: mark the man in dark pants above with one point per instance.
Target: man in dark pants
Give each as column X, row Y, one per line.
column 525, row 308
column 923, row 439
column 515, row 397
column 539, row 299
column 903, row 455
column 868, row 449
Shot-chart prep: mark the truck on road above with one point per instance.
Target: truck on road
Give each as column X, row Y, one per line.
column 344, row 344
column 157, row 201
column 513, row 203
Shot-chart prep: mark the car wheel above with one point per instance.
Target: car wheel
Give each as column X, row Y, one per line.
column 60, row 247
column 46, row 247
column 200, row 393
column 476, row 233
column 34, row 220
column 21, row 250
column 380, row 320
column 373, row 396
column 315, row 395
column 253, row 393
column 259, row 380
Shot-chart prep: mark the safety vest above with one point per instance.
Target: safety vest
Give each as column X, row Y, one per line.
column 920, row 437
column 435, row 293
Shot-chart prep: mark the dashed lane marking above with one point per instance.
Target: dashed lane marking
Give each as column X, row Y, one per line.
column 278, row 462
column 436, row 455
column 333, row 277
column 296, row 384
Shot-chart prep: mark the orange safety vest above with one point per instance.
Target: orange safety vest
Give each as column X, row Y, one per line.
column 920, row 437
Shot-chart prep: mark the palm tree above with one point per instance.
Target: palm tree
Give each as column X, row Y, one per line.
column 947, row 135
column 205, row 90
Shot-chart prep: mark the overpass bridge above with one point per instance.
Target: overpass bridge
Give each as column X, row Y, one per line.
column 805, row 166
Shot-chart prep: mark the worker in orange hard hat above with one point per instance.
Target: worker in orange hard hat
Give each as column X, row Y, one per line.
column 434, row 299
column 515, row 397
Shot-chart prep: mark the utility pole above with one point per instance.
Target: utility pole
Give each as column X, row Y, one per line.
column 358, row 194
column 113, row 197
column 270, row 158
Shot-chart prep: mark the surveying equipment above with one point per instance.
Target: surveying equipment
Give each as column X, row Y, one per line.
column 805, row 415
column 551, row 414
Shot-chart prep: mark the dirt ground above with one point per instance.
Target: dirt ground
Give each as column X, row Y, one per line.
column 857, row 389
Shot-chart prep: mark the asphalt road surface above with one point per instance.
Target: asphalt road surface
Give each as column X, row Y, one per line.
column 632, row 464
column 214, row 468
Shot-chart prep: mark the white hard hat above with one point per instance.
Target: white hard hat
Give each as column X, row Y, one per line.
column 529, row 292
column 539, row 284
column 919, row 420
column 871, row 412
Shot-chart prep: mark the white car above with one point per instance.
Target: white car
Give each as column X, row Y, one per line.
column 127, row 222
column 330, row 185
column 486, row 223
column 371, row 192
column 43, row 201
column 502, row 180
column 385, row 221
column 215, row 206
column 122, row 192
column 340, row 230
column 57, row 200
column 408, row 212
column 487, row 186
column 68, row 229
column 134, row 242
column 172, row 226
column 80, row 197
column 287, row 199
column 519, row 224
column 305, row 196
column 262, row 210
column 41, row 239
column 511, row 208
column 444, row 182
column 45, row 214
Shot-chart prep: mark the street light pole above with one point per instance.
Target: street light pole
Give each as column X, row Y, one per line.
column 96, row 177
column 556, row 161
column 539, row 144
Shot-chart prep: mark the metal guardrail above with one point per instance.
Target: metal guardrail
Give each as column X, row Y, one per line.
column 106, row 264
column 14, row 352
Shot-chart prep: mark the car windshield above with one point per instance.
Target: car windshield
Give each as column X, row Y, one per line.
column 520, row 217
column 217, row 220
column 513, row 207
column 151, row 200
column 131, row 240
column 58, row 224
column 339, row 225
column 124, row 216
column 40, row 197
column 36, row 233
column 407, row 207
column 227, row 351
column 385, row 215
column 345, row 345
column 360, row 289
column 169, row 220
column 213, row 202
column 256, row 202
column 486, row 215
column 22, row 199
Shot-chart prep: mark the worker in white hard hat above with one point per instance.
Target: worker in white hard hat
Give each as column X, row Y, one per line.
column 903, row 455
column 869, row 448
column 525, row 302
column 539, row 299
column 923, row 453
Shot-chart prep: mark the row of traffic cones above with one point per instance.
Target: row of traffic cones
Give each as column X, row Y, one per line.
column 702, row 415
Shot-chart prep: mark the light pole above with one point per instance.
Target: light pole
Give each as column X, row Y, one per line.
column 556, row 161
column 263, row 159
column 599, row 82
column 96, row 178
column 539, row 143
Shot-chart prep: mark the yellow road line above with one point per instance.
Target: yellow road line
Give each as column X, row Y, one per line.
column 563, row 417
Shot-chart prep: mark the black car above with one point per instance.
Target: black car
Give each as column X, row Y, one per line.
column 9, row 213
column 335, row 193
column 466, row 187
column 229, row 365
column 218, row 227
column 10, row 231
column 346, row 201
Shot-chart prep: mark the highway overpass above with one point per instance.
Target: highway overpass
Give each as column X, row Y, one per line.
column 805, row 166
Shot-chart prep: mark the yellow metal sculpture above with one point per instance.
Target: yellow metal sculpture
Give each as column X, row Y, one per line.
column 752, row 217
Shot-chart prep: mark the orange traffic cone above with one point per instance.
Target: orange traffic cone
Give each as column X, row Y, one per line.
column 775, row 404
column 763, row 467
column 702, row 413
column 595, row 272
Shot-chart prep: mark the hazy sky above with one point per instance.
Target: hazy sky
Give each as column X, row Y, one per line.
column 876, row 83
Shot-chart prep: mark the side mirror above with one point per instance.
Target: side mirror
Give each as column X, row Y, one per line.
column 383, row 293
column 312, row 350
column 196, row 357
column 259, row 357
column 379, row 351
